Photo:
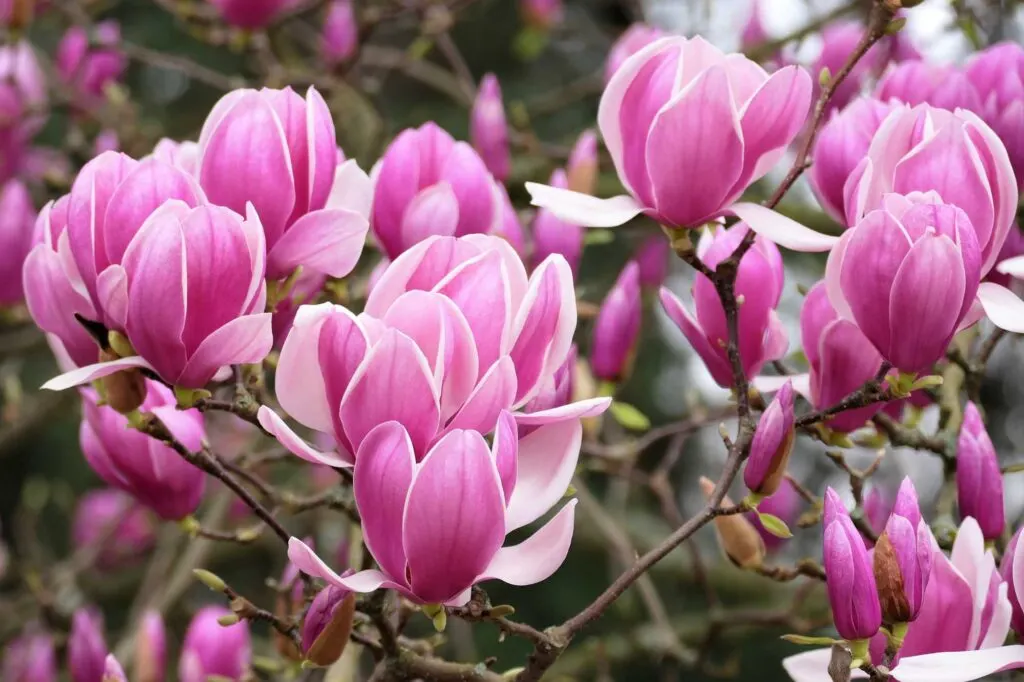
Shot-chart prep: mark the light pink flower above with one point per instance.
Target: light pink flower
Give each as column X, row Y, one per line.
column 211, row 649
column 552, row 235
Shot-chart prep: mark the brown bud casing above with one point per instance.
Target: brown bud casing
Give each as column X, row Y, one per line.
column 889, row 579
column 125, row 390
column 330, row 643
column 737, row 536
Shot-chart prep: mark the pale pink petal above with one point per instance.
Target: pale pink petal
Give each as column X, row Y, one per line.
column 242, row 341
column 432, row 212
column 784, row 231
column 328, row 241
column 84, row 375
column 277, row 428
column 505, row 451
column 539, row 556
column 480, row 288
column 352, row 189
column 959, row 666
column 581, row 409
column 1002, row 307
column 547, row 460
column 1013, row 267
column 112, row 290
column 306, row 560
column 770, row 384
column 583, row 209
column 810, row 666
column 1002, row 614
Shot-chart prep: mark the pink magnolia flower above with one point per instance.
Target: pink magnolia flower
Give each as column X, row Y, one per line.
column 453, row 333
column 17, row 221
column 150, row 648
column 652, row 256
column 30, row 657
column 314, row 211
column 754, row 32
column 488, row 130
column 210, row 649
column 428, row 184
column 785, row 504
column 90, row 63
column 997, row 72
column 689, row 128
column 100, row 511
column 852, row 593
column 964, row 618
column 189, row 295
column 87, row 648
column 339, row 37
column 771, row 446
column 762, row 337
column 553, row 235
column 112, row 670
column 251, row 14
column 154, row 474
column 633, row 39
column 436, row 524
column 581, row 167
column 920, row 82
column 903, row 558
column 22, row 84
column 907, row 274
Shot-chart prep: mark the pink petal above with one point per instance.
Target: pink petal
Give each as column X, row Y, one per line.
column 306, row 560
column 420, row 267
column 352, row 189
column 1002, row 307
column 385, row 470
column 454, row 518
column 539, row 556
column 328, row 241
column 505, row 451
column 1012, row 266
column 434, row 211
column 713, row 359
column 480, row 288
column 479, row 205
column 959, row 666
column 495, row 392
column 84, row 375
column 547, row 460
column 277, row 428
column 300, row 381
column 243, row 341
column 772, row 118
column 53, row 300
column 583, row 209
column 112, row 291
column 340, row 349
column 784, row 231
column 581, row 409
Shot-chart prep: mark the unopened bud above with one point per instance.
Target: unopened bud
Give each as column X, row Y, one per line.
column 209, row 579
column 582, row 165
column 772, row 445
column 852, row 593
column 112, row 671
column 617, row 327
column 125, row 390
column 327, row 625
column 979, row 482
column 737, row 536
column 903, row 559
column 150, row 649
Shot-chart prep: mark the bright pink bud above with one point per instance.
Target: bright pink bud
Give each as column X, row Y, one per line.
column 314, row 211
column 541, row 14
column 785, row 504
column 652, row 256
column 903, row 559
column 913, row 151
column 979, row 482
column 1014, row 587
column 877, row 507
column 910, row 303
column 89, row 62
column 87, row 650
column 112, row 670
column 17, row 227
column 772, row 445
column 581, row 168
column 150, row 649
column 997, row 72
column 633, row 39
column 428, row 184
column 251, row 14
column 920, row 82
column 553, row 235
column 839, row 147
column 617, row 327
column 487, row 128
column 841, row 359
column 759, row 282
column 326, row 626
column 112, row 517
column 154, row 474
column 213, row 649
column 30, row 657
column 339, row 38
column 851, row 582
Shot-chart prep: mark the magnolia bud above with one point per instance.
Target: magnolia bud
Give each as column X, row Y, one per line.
column 30, row 658
column 87, row 652
column 487, row 128
column 617, row 326
column 327, row 625
column 979, row 482
column 150, row 649
column 903, row 559
column 582, row 165
column 340, row 34
column 856, row 611
column 772, row 444
column 737, row 536
column 551, row 234
column 112, row 671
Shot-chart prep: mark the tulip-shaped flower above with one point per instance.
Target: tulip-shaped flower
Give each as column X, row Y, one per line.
column 964, row 618
column 633, row 39
column 997, row 72
column 22, row 106
column 90, row 63
column 772, row 445
column 541, row 14
column 339, row 37
column 315, row 212
column 211, row 649
column 251, row 14
column 841, row 359
column 87, row 650
column 759, row 281
column 979, row 482
column 436, row 526
column 903, row 560
column 488, row 129
column 689, row 128
column 851, row 583
column 111, row 517
column 839, row 147
column 617, row 327
column 150, row 649
column 327, row 625
column 907, row 274
column 919, row 82
column 190, row 296
column 581, row 168
column 17, row 220
column 30, row 657
column 428, row 184
column 551, row 234
column 151, row 472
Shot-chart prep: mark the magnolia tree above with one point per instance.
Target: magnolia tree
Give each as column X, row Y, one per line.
column 392, row 382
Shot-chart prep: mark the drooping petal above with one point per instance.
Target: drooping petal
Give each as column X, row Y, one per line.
column 581, row 409
column 547, row 460
column 715, row 361
column 277, row 428
column 811, row 666
column 84, row 375
column 583, row 209
column 538, row 557
column 783, row 231
column 1002, row 307
column 306, row 560
column 959, row 666
column 243, row 341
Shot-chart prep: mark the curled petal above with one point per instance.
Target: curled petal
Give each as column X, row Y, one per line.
column 583, row 209
column 277, row 428
column 538, row 557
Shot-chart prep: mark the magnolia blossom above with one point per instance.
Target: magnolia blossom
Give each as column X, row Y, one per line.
column 553, row 235
column 339, row 36
column 997, row 72
column 633, row 39
column 22, row 106
column 30, row 657
column 87, row 649
column 90, row 63
column 111, row 517
column 964, row 618
column 689, row 128
column 488, row 129
column 919, row 82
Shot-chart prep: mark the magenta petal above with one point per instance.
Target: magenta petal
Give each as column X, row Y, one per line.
column 328, row 241
column 479, row 209
column 538, row 557
column 306, row 560
column 245, row 340
column 505, row 451
column 454, row 517
column 496, row 391
column 277, row 428
column 384, row 471
column 547, row 461
column 53, row 300
column 394, row 382
column 112, row 292
column 480, row 289
column 84, row 375
column 772, row 118
column 713, row 358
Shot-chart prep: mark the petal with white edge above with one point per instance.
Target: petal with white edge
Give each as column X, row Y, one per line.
column 538, row 557
column 583, row 209
column 959, row 666
column 1014, row 267
column 306, row 560
column 1002, row 307
column 784, row 231
column 84, row 375
column 770, row 384
column 277, row 428
column 580, row 409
